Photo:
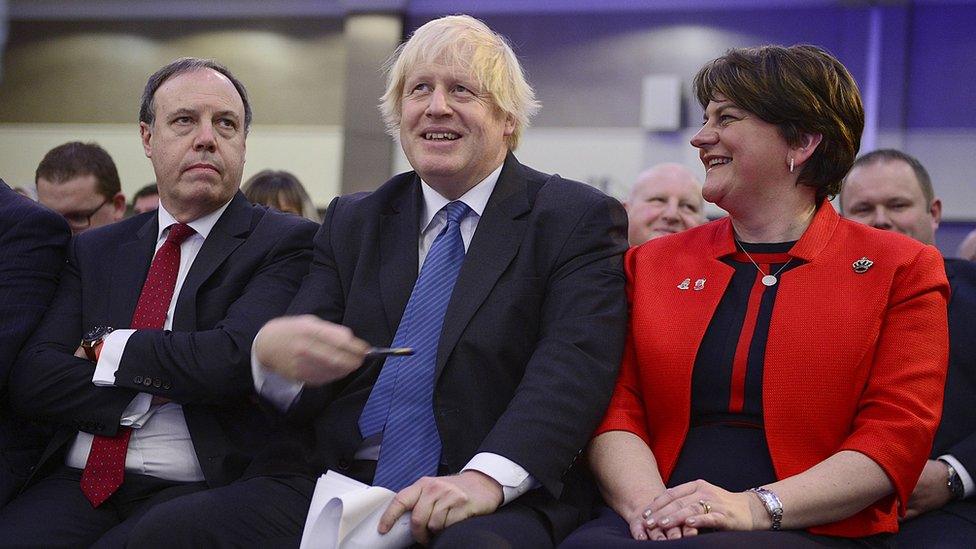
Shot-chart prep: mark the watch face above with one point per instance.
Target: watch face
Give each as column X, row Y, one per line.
column 96, row 334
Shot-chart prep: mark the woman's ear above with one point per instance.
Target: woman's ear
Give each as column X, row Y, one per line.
column 808, row 144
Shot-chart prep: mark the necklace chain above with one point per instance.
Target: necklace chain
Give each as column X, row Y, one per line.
column 774, row 275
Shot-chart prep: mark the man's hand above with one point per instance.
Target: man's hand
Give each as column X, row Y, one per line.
column 439, row 502
column 931, row 491
column 309, row 349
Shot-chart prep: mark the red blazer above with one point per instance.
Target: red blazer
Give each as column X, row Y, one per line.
column 853, row 361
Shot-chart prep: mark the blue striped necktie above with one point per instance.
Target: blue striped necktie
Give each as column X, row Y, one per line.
column 401, row 404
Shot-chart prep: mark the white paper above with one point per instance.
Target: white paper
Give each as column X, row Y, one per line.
column 345, row 513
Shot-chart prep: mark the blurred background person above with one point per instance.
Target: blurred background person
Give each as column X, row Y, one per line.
column 967, row 248
column 146, row 199
column 665, row 199
column 80, row 182
column 282, row 191
column 740, row 404
column 891, row 190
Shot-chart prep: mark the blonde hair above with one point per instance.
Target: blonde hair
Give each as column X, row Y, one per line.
column 467, row 44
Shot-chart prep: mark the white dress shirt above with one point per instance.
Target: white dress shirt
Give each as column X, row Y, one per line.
column 282, row 392
column 160, row 445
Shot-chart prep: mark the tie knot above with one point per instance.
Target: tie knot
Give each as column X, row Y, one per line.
column 456, row 211
column 178, row 232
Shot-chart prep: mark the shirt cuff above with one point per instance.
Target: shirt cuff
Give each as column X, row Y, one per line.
column 110, row 357
column 278, row 390
column 514, row 479
column 964, row 476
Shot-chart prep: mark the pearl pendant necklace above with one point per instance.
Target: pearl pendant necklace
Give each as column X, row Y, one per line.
column 767, row 279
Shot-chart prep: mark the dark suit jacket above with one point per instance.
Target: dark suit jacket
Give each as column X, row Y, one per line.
column 33, row 241
column 532, row 336
column 957, row 431
column 248, row 268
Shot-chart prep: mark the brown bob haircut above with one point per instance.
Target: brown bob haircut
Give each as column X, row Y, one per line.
column 801, row 89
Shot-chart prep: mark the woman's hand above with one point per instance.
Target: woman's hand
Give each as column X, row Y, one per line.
column 682, row 510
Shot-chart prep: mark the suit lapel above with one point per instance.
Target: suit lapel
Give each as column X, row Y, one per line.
column 129, row 272
column 399, row 233
column 227, row 235
column 495, row 243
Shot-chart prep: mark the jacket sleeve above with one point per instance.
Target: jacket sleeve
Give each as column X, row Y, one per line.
column 900, row 407
column 214, row 362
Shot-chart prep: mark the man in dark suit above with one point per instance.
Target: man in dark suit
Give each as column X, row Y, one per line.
column 162, row 405
column 891, row 190
column 33, row 241
column 513, row 368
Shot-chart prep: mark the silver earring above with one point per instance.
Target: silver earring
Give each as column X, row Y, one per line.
column 791, row 165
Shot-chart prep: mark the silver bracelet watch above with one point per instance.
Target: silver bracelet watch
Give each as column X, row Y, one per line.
column 772, row 504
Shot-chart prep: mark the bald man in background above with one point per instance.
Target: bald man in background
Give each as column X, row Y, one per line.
column 666, row 199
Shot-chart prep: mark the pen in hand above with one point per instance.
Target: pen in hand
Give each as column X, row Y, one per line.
column 381, row 352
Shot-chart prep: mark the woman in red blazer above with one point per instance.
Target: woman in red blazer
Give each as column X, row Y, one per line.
column 784, row 367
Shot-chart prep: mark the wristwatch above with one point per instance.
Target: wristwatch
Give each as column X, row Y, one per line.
column 953, row 482
column 772, row 504
column 92, row 341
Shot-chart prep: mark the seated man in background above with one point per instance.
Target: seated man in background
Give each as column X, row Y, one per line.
column 506, row 282
column 146, row 199
column 667, row 198
column 80, row 182
column 891, row 190
column 158, row 401
column 33, row 241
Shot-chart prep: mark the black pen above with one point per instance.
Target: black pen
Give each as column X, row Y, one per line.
column 380, row 352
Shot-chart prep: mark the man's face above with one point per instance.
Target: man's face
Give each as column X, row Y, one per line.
column 663, row 203
column 146, row 203
column 886, row 195
column 79, row 202
column 450, row 130
column 196, row 142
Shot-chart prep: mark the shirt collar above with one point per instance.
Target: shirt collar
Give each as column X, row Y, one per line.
column 202, row 225
column 476, row 198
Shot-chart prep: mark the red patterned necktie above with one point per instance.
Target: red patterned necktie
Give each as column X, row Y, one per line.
column 105, row 468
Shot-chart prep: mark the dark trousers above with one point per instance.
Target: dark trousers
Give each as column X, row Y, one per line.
column 270, row 512
column 944, row 528
column 55, row 513
column 610, row 530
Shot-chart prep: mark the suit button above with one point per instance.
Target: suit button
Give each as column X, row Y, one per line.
column 157, row 383
column 166, row 385
column 137, row 380
column 147, row 381
column 343, row 464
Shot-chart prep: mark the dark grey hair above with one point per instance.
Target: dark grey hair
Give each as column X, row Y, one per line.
column 147, row 110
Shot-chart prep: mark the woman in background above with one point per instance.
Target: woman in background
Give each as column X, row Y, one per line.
column 784, row 370
column 282, row 191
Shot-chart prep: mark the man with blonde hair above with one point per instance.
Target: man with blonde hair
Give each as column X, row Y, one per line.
column 666, row 199
column 507, row 284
